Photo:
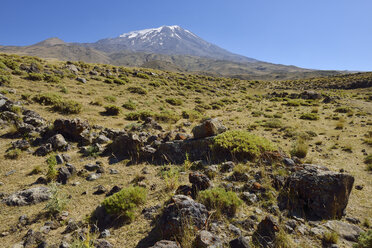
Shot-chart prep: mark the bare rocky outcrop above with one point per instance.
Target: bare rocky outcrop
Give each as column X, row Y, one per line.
column 72, row 129
column 28, row 196
column 315, row 193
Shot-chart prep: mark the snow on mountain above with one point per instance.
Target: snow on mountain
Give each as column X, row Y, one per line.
column 170, row 40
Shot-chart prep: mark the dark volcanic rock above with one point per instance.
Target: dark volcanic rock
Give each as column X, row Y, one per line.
column 240, row 242
column 71, row 129
column 266, row 232
column 182, row 211
column 316, row 193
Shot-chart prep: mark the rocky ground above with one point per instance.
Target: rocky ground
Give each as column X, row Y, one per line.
column 176, row 160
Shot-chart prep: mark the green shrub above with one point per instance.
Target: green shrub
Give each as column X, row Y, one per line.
column 139, row 115
column 343, row 110
column 52, row 78
column 368, row 162
column 137, row 90
column 92, row 151
column 300, row 148
column 242, row 144
column 309, row 116
column 220, row 200
column 35, row 76
column 57, row 202
column 124, row 203
column 11, row 64
column 112, row 110
column 13, row 154
column 192, row 115
column 330, row 237
column 4, row 79
column 174, row 101
column 47, row 98
column 130, row 105
column 167, row 116
column 142, row 75
column 110, row 99
column 52, row 171
column 364, row 240
column 119, row 81
column 283, row 240
column 273, row 123
column 67, row 107
column 108, row 81
column 293, row 103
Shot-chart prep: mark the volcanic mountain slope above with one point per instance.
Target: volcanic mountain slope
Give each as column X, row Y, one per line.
column 166, row 48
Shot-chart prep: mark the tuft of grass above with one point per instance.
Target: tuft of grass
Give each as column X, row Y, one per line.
column 52, row 172
column 242, row 144
column 220, row 200
column 300, row 148
column 57, row 202
column 124, row 203
column 330, row 237
column 130, row 105
column 35, row 76
column 112, row 110
column 368, row 162
column 174, row 101
column 364, row 240
column 139, row 115
column 13, row 154
column 67, row 107
column 137, row 90
column 310, row 116
column 283, row 240
column 111, row 99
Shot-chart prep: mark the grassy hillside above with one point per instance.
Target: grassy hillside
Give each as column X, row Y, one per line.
column 335, row 134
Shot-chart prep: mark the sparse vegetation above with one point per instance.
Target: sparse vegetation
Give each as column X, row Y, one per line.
column 220, row 200
column 300, row 148
column 124, row 203
column 112, row 110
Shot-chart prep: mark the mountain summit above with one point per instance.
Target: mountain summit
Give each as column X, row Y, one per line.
column 170, row 40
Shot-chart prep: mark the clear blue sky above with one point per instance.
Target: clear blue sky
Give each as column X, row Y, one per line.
column 321, row 34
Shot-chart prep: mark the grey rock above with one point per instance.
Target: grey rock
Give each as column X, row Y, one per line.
column 102, row 243
column 44, row 150
column 81, row 80
column 208, row 128
column 239, row 242
column 265, row 234
column 165, row 244
column 92, row 167
column 227, row 166
column 235, row 230
column 59, row 159
column 345, row 230
column 249, row 198
column 93, row 176
column 28, row 196
column 58, row 142
column 289, row 162
column 205, row 239
column 105, row 234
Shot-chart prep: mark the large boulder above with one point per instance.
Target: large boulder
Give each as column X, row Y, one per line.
column 266, row 232
column 316, row 193
column 58, row 142
column 210, row 127
column 71, row 129
column 28, row 196
column 182, row 212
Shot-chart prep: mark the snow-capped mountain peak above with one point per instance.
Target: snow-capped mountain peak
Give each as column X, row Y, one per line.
column 172, row 40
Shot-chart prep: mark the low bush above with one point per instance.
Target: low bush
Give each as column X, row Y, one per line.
column 242, row 144
column 52, row 171
column 67, row 107
column 167, row 116
column 192, row 115
column 111, row 99
column 220, row 200
column 343, row 110
column 4, row 79
column 137, row 90
column 130, row 105
column 13, row 154
column 139, row 115
column 364, row 240
column 142, row 75
column 368, row 162
column 112, row 110
column 272, row 123
column 330, row 238
column 174, row 101
column 309, row 116
column 47, row 98
column 57, row 202
column 124, row 203
column 35, row 76
column 119, row 81
column 300, row 148
column 52, row 78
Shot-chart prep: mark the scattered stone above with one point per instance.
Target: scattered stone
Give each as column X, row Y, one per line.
column 317, row 193
column 266, row 232
column 114, row 190
column 249, row 198
column 353, row 220
column 104, row 234
column 100, row 190
column 359, row 187
column 21, row 144
column 81, row 80
column 28, row 196
column 235, row 230
column 92, row 167
column 150, row 212
column 59, row 159
column 165, row 244
column 210, row 127
column 345, row 230
column 33, row 238
column 205, row 239
column 44, row 150
column 199, row 181
column 227, row 166
column 113, row 171
column 58, row 142
column 289, row 162
column 240, row 242
column 102, row 243
column 72, row 225
column 93, row 176
column 10, row 173
column 63, row 175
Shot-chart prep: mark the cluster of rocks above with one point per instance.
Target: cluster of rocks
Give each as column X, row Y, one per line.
column 305, row 95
